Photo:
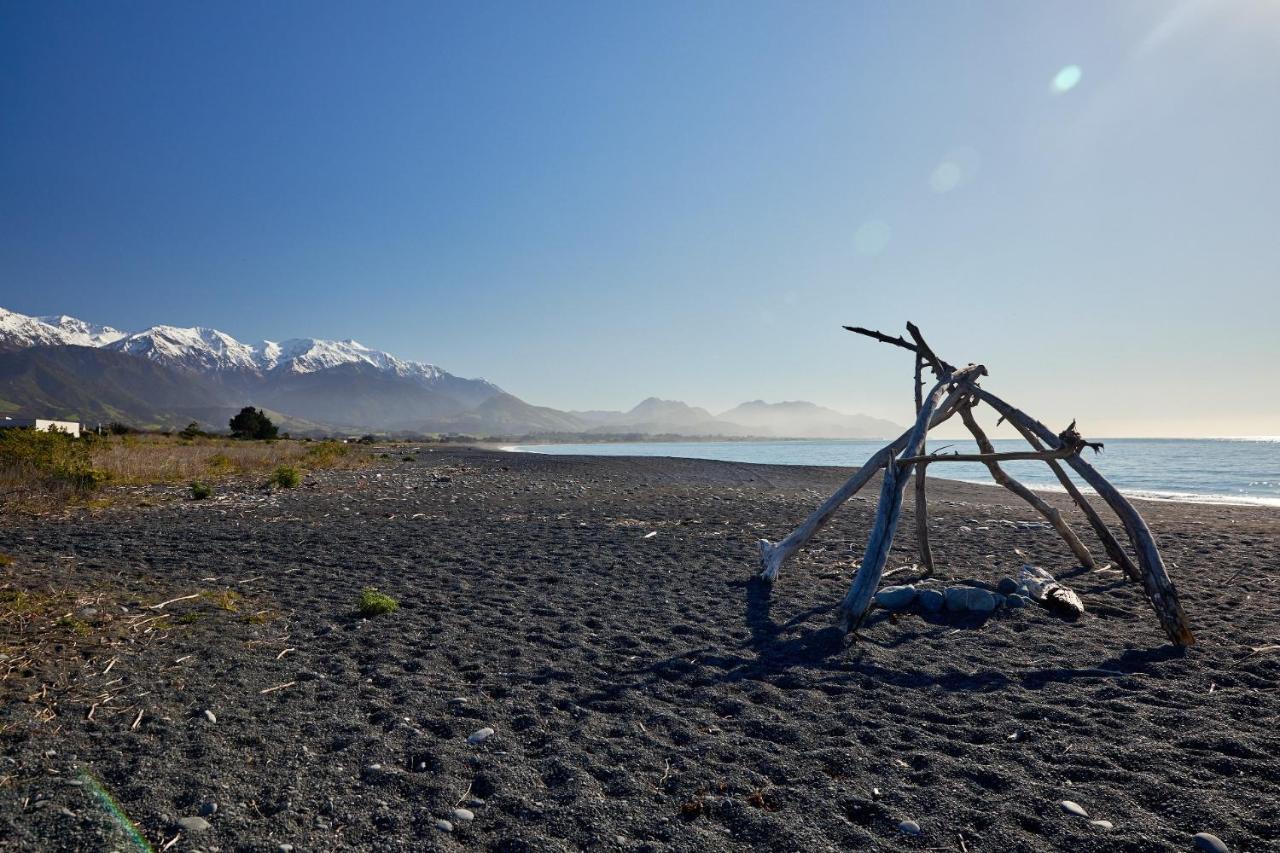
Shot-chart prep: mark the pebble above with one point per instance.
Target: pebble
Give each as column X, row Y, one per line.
column 980, row 601
column 444, row 826
column 932, row 600
column 1210, row 842
column 463, row 815
column 896, row 597
column 480, row 735
column 208, row 808
column 1007, row 586
column 284, row 848
column 193, row 824
column 957, row 598
column 210, row 716
column 910, row 827
column 1015, row 602
column 1103, row 824
column 1073, row 808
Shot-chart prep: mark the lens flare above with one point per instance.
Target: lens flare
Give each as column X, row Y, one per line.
column 122, row 820
column 871, row 238
column 1066, row 79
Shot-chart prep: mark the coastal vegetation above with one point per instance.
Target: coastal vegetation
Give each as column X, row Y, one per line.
column 43, row 470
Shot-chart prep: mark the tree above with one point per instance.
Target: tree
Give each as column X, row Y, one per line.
column 193, row 430
column 251, row 423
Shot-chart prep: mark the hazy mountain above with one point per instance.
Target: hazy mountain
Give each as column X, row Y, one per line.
column 806, row 420
column 505, row 414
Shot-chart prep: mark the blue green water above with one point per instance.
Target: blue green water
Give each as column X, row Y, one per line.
column 1225, row 470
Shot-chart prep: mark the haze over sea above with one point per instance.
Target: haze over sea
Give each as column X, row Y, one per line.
column 1212, row 470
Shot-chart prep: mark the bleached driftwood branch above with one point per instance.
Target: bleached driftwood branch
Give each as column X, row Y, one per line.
column 922, row 504
column 867, row 579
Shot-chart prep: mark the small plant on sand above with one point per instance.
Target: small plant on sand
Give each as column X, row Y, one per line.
column 374, row 603
column 286, row 477
column 223, row 599
column 5, row 560
column 409, row 458
column 200, row 491
column 220, row 463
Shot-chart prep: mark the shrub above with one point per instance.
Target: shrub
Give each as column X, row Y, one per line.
column 326, row 453
column 5, row 560
column 409, row 458
column 374, row 603
column 251, row 423
column 286, row 477
column 45, row 465
column 192, row 430
column 200, row 491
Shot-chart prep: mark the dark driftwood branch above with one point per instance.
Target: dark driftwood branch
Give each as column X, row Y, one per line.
column 922, row 504
column 1155, row 579
column 984, row 458
column 867, row 579
column 897, row 342
column 1109, row 542
column 1037, row 503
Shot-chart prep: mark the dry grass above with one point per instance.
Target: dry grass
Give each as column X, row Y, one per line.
column 146, row 459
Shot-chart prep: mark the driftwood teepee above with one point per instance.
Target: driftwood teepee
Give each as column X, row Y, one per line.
column 956, row 392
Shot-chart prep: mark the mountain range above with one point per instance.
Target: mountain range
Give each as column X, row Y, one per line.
column 167, row 376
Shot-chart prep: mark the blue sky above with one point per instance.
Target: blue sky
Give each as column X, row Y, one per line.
column 590, row 203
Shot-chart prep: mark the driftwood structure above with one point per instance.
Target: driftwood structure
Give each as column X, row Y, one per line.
column 956, row 392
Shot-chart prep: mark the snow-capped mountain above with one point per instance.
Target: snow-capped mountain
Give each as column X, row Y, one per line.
column 201, row 349
column 195, row 348
column 18, row 331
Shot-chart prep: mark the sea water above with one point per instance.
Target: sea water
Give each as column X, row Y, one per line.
column 1219, row 470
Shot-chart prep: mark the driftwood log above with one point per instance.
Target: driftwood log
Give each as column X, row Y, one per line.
column 957, row 391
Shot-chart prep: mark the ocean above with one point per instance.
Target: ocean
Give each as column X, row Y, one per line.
column 1213, row 470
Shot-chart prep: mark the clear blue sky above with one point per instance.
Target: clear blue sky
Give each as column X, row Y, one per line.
column 590, row 203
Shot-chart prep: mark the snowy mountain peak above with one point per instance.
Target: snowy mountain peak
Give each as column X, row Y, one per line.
column 18, row 331
column 204, row 349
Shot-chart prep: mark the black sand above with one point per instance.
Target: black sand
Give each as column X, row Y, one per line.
column 646, row 693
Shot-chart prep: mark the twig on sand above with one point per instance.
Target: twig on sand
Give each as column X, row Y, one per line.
column 137, row 721
column 278, row 687
column 171, row 842
column 162, row 604
column 464, row 796
column 963, row 847
column 285, row 652
column 1257, row 650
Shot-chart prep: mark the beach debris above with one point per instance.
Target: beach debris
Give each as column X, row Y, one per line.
column 1041, row 587
column 479, row 736
column 1072, row 807
column 957, row 391
column 1209, row 842
column 650, row 534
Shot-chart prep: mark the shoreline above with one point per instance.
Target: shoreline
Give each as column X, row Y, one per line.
column 1150, row 495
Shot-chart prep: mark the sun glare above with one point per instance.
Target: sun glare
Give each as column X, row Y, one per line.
column 1066, row 79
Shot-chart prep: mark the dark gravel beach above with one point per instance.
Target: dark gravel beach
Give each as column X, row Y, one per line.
column 643, row 690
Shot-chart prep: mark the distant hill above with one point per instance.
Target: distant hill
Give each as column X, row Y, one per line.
column 806, row 420
column 167, row 376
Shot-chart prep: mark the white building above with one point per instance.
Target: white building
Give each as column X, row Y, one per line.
column 43, row 424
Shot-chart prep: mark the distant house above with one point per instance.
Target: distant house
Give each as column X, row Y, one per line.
column 43, row 424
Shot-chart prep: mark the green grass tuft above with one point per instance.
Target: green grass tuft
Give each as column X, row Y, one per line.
column 200, row 491
column 286, row 477
column 374, row 603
